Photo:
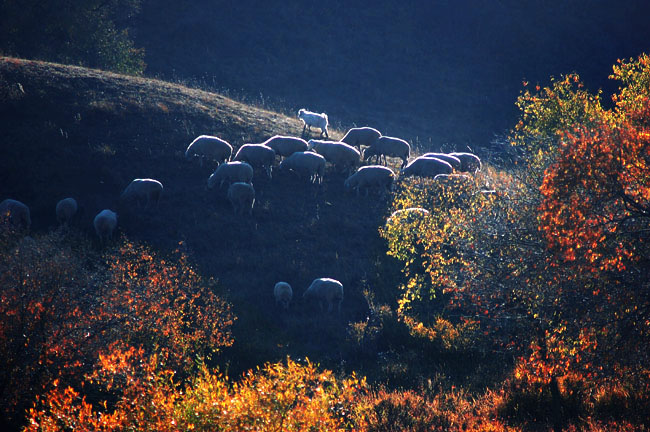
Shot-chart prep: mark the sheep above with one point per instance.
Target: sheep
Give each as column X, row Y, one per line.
column 306, row 164
column 105, row 223
column 325, row 289
column 65, row 210
column 148, row 190
column 455, row 163
column 388, row 146
column 283, row 294
column 257, row 155
column 341, row 155
column 407, row 215
column 310, row 119
column 242, row 197
column 286, row 145
column 469, row 162
column 357, row 137
column 369, row 176
column 426, row 167
column 231, row 172
column 16, row 213
column 209, row 147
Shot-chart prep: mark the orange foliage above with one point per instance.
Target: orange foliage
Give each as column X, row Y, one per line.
column 61, row 308
column 287, row 397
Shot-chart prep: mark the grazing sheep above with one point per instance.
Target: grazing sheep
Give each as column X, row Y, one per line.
column 343, row 156
column 426, row 167
column 283, row 294
column 231, row 172
column 306, row 164
column 139, row 190
column 371, row 176
column 257, row 155
column 15, row 213
column 388, row 146
column 65, row 210
column 242, row 197
column 452, row 160
column 286, row 145
column 357, row 137
column 325, row 290
column 105, row 223
column 469, row 162
column 407, row 215
column 209, row 147
column 313, row 119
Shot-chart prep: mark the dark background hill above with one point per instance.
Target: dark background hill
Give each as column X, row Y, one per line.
column 72, row 131
column 437, row 72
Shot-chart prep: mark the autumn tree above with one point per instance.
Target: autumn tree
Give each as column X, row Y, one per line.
column 63, row 305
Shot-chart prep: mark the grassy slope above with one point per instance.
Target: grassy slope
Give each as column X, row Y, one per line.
column 70, row 131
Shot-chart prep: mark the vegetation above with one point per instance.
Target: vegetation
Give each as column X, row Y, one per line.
column 518, row 302
column 92, row 33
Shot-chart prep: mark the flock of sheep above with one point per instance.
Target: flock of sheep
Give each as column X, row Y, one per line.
column 306, row 159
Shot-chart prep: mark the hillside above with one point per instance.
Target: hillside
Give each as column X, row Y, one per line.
column 70, row 131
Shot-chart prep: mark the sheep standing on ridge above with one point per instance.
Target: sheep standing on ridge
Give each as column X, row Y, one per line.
column 209, row 147
column 105, row 223
column 325, row 290
column 306, row 164
column 15, row 213
column 283, row 294
column 65, row 210
column 286, row 145
column 343, row 156
column 426, row 167
column 231, row 172
column 313, row 119
column 356, row 137
column 469, row 162
column 388, row 146
column 242, row 197
column 257, row 155
column 143, row 190
column 371, row 176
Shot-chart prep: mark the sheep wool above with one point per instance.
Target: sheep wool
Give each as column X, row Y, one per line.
column 325, row 290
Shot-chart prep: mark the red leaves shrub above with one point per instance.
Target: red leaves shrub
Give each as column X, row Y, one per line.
column 62, row 306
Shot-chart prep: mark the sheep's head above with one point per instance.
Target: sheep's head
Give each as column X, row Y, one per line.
column 301, row 113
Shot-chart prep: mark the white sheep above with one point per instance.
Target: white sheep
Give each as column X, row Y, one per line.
column 65, row 210
column 455, row 163
column 426, row 167
column 143, row 190
column 231, row 172
column 209, row 147
column 357, row 137
column 286, row 145
column 388, row 146
column 343, row 156
column 283, row 294
column 325, row 290
column 306, row 164
column 257, row 155
column 105, row 223
column 15, row 213
column 407, row 215
column 371, row 176
column 242, row 197
column 469, row 162
column 313, row 119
